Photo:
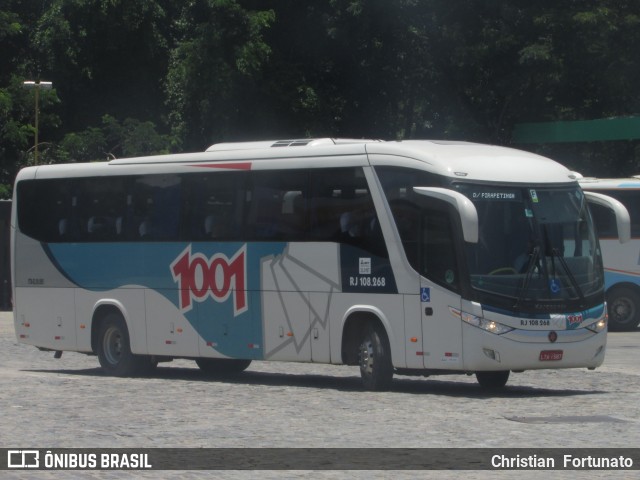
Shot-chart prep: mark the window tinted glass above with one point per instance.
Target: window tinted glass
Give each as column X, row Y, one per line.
column 98, row 207
column 605, row 219
column 398, row 182
column 341, row 210
column 439, row 258
column 45, row 208
column 278, row 206
column 293, row 205
column 214, row 206
column 155, row 201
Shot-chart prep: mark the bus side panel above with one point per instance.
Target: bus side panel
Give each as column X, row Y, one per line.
column 44, row 299
column 442, row 328
column 45, row 317
column 221, row 335
column 286, row 326
column 168, row 331
column 413, row 309
column 297, row 290
column 621, row 261
column 320, row 304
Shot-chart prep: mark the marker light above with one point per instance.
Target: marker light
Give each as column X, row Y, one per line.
column 484, row 324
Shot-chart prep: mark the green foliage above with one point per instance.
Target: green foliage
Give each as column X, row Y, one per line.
column 214, row 67
column 9, row 24
column 112, row 140
column 108, row 56
column 136, row 77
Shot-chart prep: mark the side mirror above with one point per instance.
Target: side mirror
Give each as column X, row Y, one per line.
column 465, row 208
column 623, row 221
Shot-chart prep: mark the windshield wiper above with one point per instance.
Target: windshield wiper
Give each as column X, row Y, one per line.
column 555, row 253
column 533, row 261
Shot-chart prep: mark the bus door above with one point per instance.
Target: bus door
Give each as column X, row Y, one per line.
column 439, row 290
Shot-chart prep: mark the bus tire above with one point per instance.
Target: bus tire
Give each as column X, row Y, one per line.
column 374, row 358
column 623, row 304
column 217, row 366
column 114, row 349
column 493, row 379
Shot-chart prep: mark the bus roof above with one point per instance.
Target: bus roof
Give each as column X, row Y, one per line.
column 464, row 160
column 300, row 142
column 610, row 183
column 480, row 162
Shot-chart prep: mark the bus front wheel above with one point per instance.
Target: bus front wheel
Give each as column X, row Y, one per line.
column 492, row 379
column 374, row 358
column 114, row 349
column 623, row 304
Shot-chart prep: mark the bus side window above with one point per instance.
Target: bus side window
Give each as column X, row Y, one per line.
column 45, row 210
column 438, row 251
column 278, row 204
column 604, row 220
column 630, row 198
column 407, row 218
column 96, row 205
column 156, row 203
column 341, row 210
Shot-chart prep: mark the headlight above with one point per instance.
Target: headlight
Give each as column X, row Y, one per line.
column 484, row 324
column 602, row 322
column 599, row 326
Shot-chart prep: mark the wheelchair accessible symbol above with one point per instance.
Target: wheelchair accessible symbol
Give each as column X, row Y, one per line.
column 554, row 286
column 425, row 294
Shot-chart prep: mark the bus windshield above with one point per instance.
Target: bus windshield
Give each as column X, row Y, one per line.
column 536, row 246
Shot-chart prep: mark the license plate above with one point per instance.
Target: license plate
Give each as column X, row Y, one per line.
column 550, row 355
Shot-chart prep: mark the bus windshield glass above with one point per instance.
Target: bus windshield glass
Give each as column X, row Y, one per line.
column 536, row 246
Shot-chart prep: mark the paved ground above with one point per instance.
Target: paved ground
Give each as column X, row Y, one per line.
column 49, row 403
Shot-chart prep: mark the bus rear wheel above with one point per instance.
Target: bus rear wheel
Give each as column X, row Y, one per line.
column 114, row 350
column 492, row 379
column 623, row 304
column 217, row 366
column 374, row 358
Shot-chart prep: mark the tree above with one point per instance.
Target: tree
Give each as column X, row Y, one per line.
column 106, row 57
column 214, row 74
column 113, row 139
column 127, row 72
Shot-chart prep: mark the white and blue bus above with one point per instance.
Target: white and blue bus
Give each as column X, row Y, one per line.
column 621, row 262
column 413, row 257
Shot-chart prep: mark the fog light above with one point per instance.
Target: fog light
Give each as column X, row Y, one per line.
column 492, row 354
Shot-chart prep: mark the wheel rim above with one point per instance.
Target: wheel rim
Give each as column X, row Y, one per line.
column 622, row 311
column 366, row 357
column 113, row 345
